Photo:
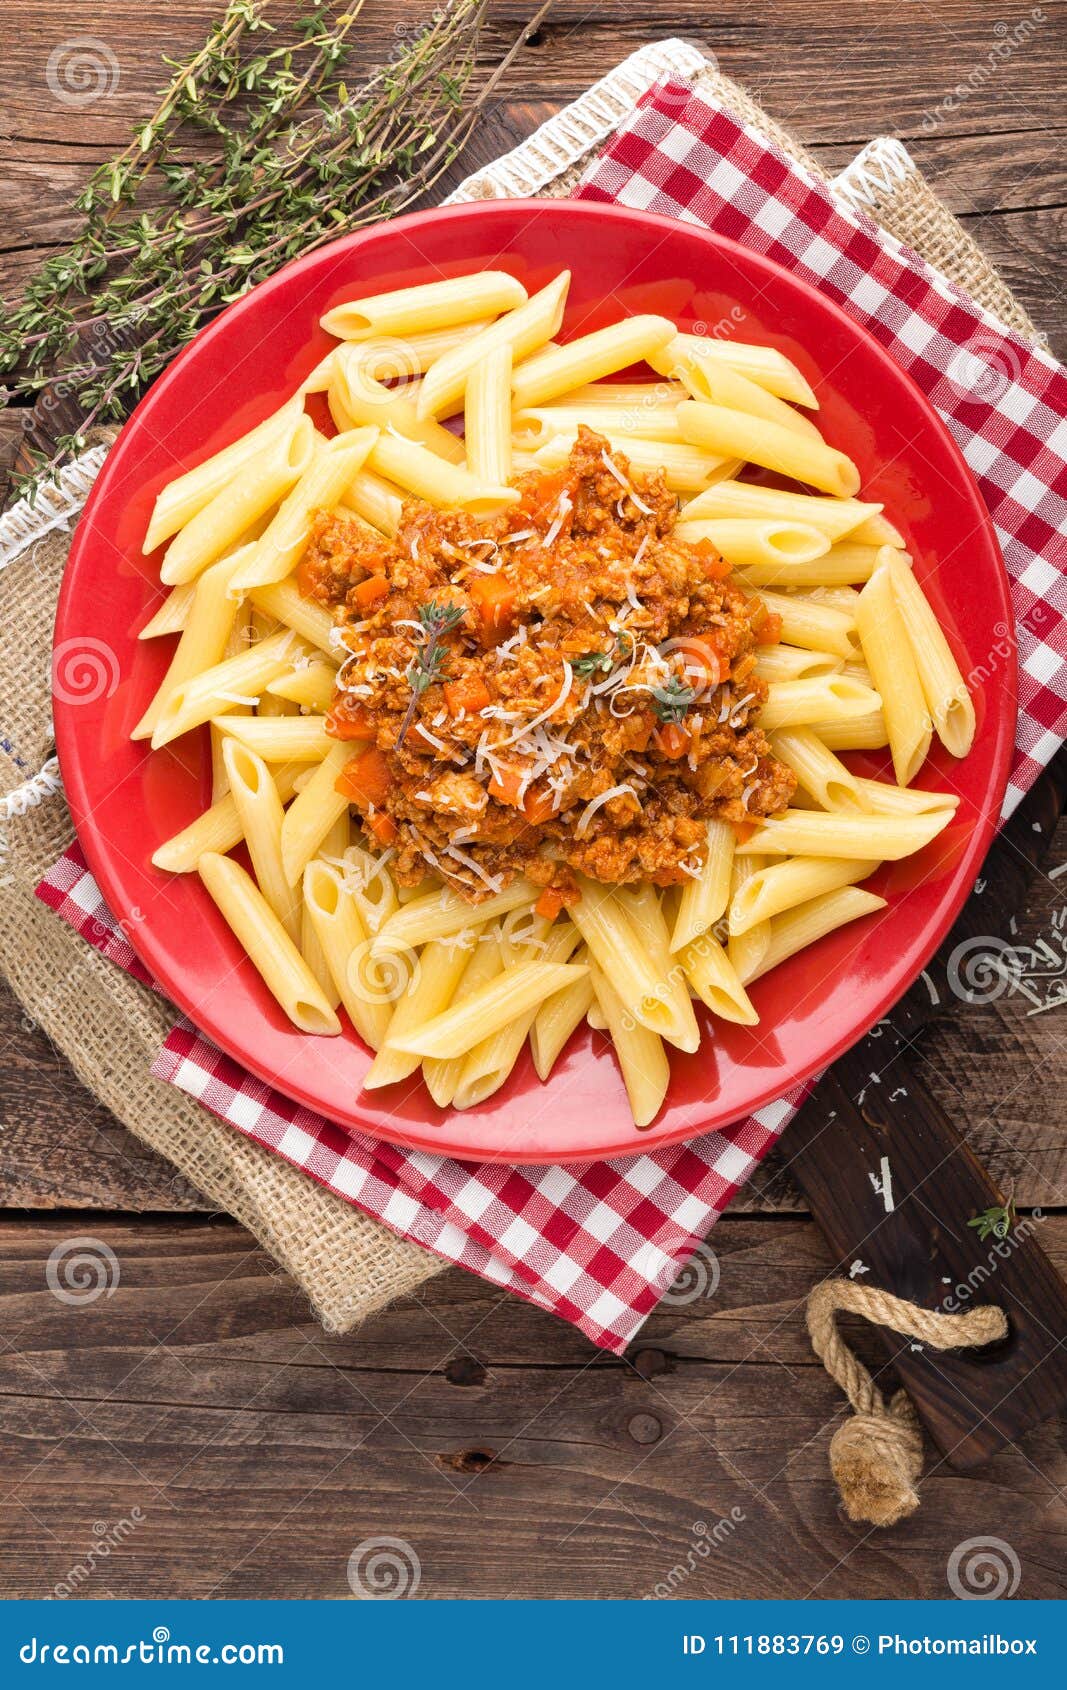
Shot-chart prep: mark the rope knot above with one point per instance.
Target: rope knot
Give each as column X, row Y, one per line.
column 876, row 1457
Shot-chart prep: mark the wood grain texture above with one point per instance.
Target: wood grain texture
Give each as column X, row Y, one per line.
column 488, row 1436
column 513, row 1457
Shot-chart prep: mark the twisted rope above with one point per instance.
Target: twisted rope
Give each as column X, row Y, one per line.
column 876, row 1457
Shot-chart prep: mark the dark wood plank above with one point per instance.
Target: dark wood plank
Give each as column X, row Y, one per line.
column 512, row 1458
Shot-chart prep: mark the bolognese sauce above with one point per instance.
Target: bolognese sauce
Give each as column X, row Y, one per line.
column 564, row 687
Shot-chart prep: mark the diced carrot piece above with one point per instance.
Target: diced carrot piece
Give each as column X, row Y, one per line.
column 744, row 831
column 549, row 903
column 494, row 602
column 381, row 826
column 673, row 740
column 350, row 722
column 770, row 630
column 715, row 565
column 504, row 785
column 538, row 806
column 366, row 778
column 369, row 592
column 469, row 693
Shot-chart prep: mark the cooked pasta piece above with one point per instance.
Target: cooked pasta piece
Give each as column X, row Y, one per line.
column 487, row 1010
column 712, row 976
column 821, row 698
column 431, row 478
column 791, row 663
column 267, row 945
column 586, row 359
column 184, row 497
column 357, row 398
column 524, row 329
column 488, row 1065
column 704, row 898
column 719, row 384
column 442, row 1073
column 781, row 886
column 618, row 952
column 948, row 701
column 345, row 946
column 236, row 680
column 860, row 733
column 733, row 434
column 440, row 913
column 764, row 365
column 685, row 468
column 642, row 906
column 646, row 1071
column 203, row 643
column 882, row 796
column 430, row 305
column 216, row 829
column 728, row 499
column 766, row 551
column 889, row 658
column 260, row 812
column 557, row 1019
column 375, row 499
column 627, row 419
column 821, row 833
column 817, row 627
column 312, row 687
column 280, row 739
column 278, row 551
column 829, row 781
column 285, row 601
column 797, row 929
column 173, row 613
column 313, row 812
column 745, row 951
column 429, row 983
column 257, row 485
column 487, row 418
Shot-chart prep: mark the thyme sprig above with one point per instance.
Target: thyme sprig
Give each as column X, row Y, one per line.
column 672, row 700
column 996, row 1221
column 427, row 666
column 257, row 151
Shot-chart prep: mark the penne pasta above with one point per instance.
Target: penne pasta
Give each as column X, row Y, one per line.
column 487, row 1010
column 432, row 978
column 839, row 566
column 790, row 663
column 306, row 617
column 767, row 367
column 716, row 383
column 431, row 305
column 257, row 485
column 618, row 951
column 278, row 551
column 172, row 614
column 628, row 419
column 357, row 398
column 442, row 1073
column 820, row 833
column 259, row 811
column 434, row 480
column 745, row 951
column 764, row 550
column 833, row 517
column 487, row 418
column 642, row 906
column 557, row 1019
column 279, row 739
column 632, row 395
column 948, row 702
column 714, row 980
column 184, row 497
column 820, row 698
column 311, row 687
column 210, row 621
column 733, row 434
column 216, row 829
column 236, row 680
column 487, row 1067
column 820, row 773
column 440, row 913
column 314, row 811
column 343, row 940
column 797, row 929
column 884, row 798
column 643, row 1061
column 859, row 733
column 783, row 885
column 376, row 500
column 524, row 329
column 390, row 358
column 267, row 945
column 889, row 658
column 704, row 898
column 593, row 355
column 816, row 627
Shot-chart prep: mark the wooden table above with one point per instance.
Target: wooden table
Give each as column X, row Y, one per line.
column 197, row 1430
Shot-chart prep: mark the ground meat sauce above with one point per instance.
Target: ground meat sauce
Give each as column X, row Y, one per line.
column 503, row 673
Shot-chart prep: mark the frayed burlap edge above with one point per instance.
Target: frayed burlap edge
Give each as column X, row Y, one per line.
column 109, row 1027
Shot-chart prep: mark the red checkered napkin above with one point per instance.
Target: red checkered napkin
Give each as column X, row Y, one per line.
column 600, row 1243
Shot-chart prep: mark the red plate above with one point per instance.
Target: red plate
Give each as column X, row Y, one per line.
column 126, row 799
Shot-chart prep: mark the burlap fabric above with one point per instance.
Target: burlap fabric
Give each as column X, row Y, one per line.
column 109, row 1026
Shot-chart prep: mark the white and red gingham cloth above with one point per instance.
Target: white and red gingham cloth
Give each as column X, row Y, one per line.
column 600, row 1243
